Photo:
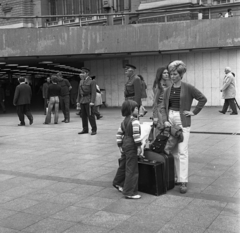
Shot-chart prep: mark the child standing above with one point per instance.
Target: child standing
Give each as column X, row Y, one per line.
column 129, row 143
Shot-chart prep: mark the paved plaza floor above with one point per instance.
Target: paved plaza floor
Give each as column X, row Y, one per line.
column 54, row 180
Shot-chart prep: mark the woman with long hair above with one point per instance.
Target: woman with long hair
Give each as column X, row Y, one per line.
column 161, row 82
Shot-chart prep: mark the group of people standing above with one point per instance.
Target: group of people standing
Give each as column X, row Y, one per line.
column 56, row 93
column 172, row 106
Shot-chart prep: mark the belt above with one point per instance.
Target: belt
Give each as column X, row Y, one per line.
column 130, row 95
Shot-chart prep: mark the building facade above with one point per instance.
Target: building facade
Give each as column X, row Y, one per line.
column 207, row 46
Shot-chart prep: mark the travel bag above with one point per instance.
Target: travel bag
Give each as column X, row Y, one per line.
column 168, row 161
column 151, row 177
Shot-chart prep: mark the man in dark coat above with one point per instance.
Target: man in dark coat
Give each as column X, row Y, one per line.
column 86, row 98
column 22, row 100
column 64, row 98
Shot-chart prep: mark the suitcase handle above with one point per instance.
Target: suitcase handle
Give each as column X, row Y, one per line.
column 149, row 161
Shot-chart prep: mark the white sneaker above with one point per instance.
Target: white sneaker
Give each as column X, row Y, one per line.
column 133, row 197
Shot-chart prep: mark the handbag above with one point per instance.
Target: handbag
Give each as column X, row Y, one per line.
column 158, row 145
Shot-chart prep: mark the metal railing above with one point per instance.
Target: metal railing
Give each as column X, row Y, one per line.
column 85, row 19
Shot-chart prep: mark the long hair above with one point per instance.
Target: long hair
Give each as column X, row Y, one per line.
column 158, row 78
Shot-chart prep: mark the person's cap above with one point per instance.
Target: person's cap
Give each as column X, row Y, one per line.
column 84, row 69
column 131, row 66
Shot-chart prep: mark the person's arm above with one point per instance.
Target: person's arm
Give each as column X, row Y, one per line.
column 68, row 84
column 136, row 132
column 202, row 100
column 137, row 136
column 16, row 94
column 93, row 91
column 137, row 90
column 163, row 108
column 119, row 137
column 227, row 83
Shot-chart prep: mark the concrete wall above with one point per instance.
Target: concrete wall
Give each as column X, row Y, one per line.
column 205, row 70
column 121, row 38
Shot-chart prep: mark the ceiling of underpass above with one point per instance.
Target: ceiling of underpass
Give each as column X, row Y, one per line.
column 41, row 66
column 68, row 65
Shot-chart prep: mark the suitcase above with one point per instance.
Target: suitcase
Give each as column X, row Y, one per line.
column 151, row 177
column 169, row 169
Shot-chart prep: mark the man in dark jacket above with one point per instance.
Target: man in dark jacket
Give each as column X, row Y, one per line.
column 22, row 100
column 64, row 98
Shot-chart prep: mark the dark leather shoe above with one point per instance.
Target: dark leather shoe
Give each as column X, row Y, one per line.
column 222, row 112
column 21, row 124
column 67, row 121
column 45, row 123
column 99, row 117
column 82, row 132
column 31, row 121
column 93, row 133
column 233, row 113
column 183, row 188
column 63, row 120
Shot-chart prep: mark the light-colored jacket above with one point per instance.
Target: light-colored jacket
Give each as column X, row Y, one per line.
column 228, row 88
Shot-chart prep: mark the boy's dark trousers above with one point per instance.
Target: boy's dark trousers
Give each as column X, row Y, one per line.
column 127, row 173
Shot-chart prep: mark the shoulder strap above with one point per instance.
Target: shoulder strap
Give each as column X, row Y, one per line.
column 123, row 125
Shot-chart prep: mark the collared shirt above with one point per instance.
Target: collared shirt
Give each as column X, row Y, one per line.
column 87, row 91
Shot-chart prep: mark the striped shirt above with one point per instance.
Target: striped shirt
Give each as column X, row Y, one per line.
column 136, row 133
column 174, row 100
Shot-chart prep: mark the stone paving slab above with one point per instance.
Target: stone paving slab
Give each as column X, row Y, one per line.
column 54, row 180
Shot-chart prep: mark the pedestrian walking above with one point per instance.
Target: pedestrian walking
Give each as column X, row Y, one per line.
column 176, row 111
column 86, row 99
column 22, row 100
column 64, row 98
column 229, row 92
column 129, row 143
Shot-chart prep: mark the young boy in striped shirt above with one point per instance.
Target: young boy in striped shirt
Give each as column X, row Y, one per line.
column 129, row 143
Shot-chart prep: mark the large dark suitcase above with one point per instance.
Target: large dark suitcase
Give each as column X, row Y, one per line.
column 151, row 177
column 169, row 169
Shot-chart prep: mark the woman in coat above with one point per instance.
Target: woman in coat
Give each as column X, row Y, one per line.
column 229, row 92
column 176, row 111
